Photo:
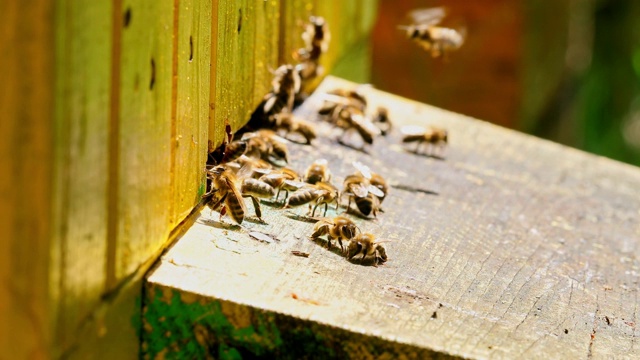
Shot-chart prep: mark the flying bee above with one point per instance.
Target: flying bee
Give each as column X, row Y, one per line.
column 434, row 136
column 258, row 167
column 285, row 86
column 338, row 228
column 382, row 121
column 435, row 39
column 318, row 171
column 364, row 244
column 289, row 123
column 265, row 144
column 321, row 194
column 224, row 195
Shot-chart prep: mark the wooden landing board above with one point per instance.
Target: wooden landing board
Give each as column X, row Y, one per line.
column 510, row 247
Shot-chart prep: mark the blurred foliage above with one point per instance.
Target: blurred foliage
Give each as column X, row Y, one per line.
column 596, row 104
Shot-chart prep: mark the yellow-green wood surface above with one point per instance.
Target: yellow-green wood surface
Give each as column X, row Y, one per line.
column 26, row 164
column 507, row 246
column 81, row 163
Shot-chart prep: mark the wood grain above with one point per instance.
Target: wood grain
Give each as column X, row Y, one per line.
column 191, row 117
column 510, row 247
column 81, row 160
column 144, row 163
column 27, row 102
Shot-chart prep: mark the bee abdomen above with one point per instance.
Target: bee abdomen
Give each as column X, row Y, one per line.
column 257, row 188
column 365, row 205
column 301, row 197
column 413, row 138
column 236, row 211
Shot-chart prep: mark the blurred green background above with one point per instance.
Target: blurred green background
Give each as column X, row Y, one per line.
column 565, row 70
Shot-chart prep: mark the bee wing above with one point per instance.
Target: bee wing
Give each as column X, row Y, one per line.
column 336, row 99
column 359, row 190
column 366, row 124
column 273, row 176
column 375, row 191
column 412, row 130
column 428, row 16
column 364, row 169
column 232, row 187
column 296, row 184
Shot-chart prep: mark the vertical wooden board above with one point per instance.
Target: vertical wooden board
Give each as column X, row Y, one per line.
column 26, row 100
column 266, row 49
column 191, row 119
column 232, row 78
column 144, row 153
column 83, row 54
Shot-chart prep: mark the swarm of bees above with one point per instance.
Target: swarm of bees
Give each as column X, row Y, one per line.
column 426, row 32
column 255, row 165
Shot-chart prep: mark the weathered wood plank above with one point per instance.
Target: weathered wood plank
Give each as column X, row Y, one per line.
column 27, row 102
column 144, row 148
column 267, row 18
column 191, row 120
column 81, row 161
column 511, row 246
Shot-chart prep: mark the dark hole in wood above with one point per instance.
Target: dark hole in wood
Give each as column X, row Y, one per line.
column 127, row 17
column 190, row 48
column 434, row 315
column 153, row 74
column 566, row 331
column 239, row 20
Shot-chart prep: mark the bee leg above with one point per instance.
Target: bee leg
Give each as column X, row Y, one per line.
column 326, row 206
column 341, row 246
column 223, row 211
column 256, row 206
column 278, row 195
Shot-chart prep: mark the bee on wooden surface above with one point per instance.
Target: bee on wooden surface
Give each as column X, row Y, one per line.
column 364, row 244
column 266, row 145
column 285, row 86
column 318, row 171
column 258, row 166
column 351, row 118
column 427, row 34
column 288, row 123
column 353, row 97
column 228, row 151
column 382, row 121
column 435, row 137
column 320, row 194
column 285, row 179
column 337, row 228
column 224, row 195
column 359, row 188
column 257, row 189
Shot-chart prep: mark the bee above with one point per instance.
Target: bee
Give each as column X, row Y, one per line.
column 289, row 123
column 366, row 245
column 254, row 189
column 228, row 151
column 284, row 179
column 339, row 228
column 366, row 195
column 382, row 121
column 349, row 118
column 353, row 97
column 285, row 86
column 316, row 37
column 265, row 144
column 224, row 195
column 434, row 136
column 321, row 193
column 318, row 171
column 258, row 167
column 435, row 39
